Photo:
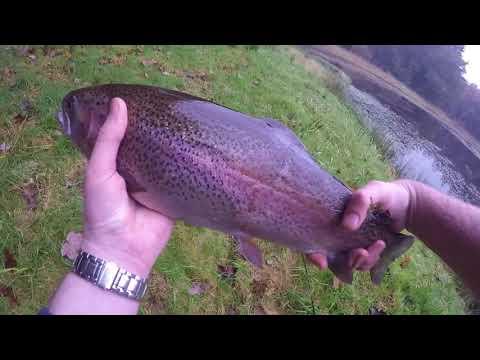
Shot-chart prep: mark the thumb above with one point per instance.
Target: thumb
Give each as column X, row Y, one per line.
column 102, row 162
column 374, row 193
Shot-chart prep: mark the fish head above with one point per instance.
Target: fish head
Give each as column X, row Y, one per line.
column 81, row 115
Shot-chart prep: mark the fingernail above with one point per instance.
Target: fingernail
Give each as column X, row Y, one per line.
column 115, row 106
column 351, row 221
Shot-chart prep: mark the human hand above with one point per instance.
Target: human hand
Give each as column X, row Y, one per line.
column 393, row 197
column 116, row 227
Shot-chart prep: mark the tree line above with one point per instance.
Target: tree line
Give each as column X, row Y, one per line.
column 433, row 71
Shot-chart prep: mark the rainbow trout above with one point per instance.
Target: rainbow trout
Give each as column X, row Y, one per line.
column 210, row 166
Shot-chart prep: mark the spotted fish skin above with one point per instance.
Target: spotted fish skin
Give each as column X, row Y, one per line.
column 211, row 166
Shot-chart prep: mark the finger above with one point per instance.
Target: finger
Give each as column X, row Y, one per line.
column 356, row 257
column 373, row 254
column 376, row 249
column 103, row 159
column 319, row 260
column 375, row 192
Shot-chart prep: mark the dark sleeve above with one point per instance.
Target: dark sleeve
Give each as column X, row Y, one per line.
column 44, row 311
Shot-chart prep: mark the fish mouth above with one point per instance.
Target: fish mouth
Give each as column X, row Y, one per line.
column 64, row 121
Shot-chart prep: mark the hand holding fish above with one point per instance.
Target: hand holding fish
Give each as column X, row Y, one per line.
column 392, row 197
column 116, row 226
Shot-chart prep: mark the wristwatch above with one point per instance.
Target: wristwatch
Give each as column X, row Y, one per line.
column 107, row 275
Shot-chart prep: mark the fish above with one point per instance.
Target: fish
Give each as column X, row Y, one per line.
column 211, row 166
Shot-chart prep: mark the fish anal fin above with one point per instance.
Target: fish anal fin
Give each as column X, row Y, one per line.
column 338, row 264
column 248, row 249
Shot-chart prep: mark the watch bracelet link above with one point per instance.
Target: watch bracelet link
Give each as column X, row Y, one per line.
column 107, row 275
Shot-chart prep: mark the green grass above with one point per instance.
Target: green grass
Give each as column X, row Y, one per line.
column 263, row 82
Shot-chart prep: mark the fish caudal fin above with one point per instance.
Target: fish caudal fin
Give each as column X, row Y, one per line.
column 392, row 252
column 338, row 264
column 248, row 249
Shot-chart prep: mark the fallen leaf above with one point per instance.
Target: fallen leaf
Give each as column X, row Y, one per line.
column 4, row 147
column 263, row 310
column 7, row 291
column 165, row 73
column 146, row 75
column 231, row 310
column 26, row 106
column 118, row 59
column 29, row 193
column 19, row 118
column 194, row 75
column 7, row 72
column 405, row 261
column 103, row 61
column 258, row 288
column 375, row 311
column 10, row 261
column 25, row 51
column 8, row 76
column 227, row 272
column 71, row 246
column 198, row 288
column 146, row 62
column 115, row 60
column 51, row 51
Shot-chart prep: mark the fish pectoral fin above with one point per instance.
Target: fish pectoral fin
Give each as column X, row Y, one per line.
column 247, row 248
column 338, row 264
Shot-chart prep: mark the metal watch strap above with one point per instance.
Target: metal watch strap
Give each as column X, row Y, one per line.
column 109, row 276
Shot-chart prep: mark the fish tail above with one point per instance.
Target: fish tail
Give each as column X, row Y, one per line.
column 393, row 251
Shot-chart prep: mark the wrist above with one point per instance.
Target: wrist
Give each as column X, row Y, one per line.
column 411, row 187
column 77, row 296
column 123, row 258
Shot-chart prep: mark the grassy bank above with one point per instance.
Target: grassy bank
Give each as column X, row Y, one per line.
column 41, row 176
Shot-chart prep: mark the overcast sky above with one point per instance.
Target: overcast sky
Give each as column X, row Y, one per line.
column 471, row 55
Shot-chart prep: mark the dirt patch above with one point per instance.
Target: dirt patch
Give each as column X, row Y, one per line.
column 259, row 287
column 270, row 282
column 157, row 294
column 8, row 76
column 232, row 68
column 197, row 75
column 385, row 303
column 7, row 291
column 117, row 59
column 9, row 259
column 55, row 72
column 197, row 82
column 231, row 310
column 265, row 310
